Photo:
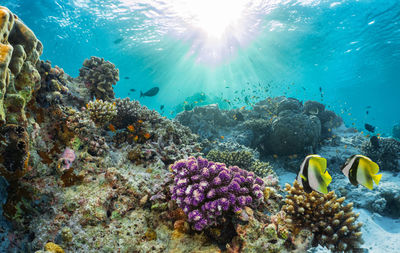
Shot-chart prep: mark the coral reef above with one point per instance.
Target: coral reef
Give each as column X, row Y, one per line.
column 275, row 126
column 243, row 159
column 101, row 112
column 207, row 190
column 99, row 77
column 4, row 243
column 387, row 155
column 19, row 52
column 332, row 223
column 14, row 151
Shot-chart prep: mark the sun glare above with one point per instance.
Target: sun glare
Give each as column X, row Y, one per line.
column 216, row 16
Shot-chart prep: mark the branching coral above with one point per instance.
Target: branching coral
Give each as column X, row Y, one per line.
column 207, row 190
column 333, row 224
column 99, row 76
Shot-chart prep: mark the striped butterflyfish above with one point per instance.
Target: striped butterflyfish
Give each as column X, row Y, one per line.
column 361, row 170
column 313, row 174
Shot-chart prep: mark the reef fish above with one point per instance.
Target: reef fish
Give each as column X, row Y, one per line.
column 369, row 127
column 150, row 93
column 313, row 174
column 119, row 40
column 361, row 170
column 133, row 90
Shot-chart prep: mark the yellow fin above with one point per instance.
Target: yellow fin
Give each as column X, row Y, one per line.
column 303, row 177
column 377, row 178
column 369, row 164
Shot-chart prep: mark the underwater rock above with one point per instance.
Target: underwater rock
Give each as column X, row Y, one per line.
column 387, row 155
column 293, row 133
column 290, row 104
column 385, row 199
column 99, row 77
column 206, row 121
column 275, row 126
column 19, row 52
column 332, row 223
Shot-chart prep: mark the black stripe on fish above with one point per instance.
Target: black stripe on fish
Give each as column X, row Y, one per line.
column 353, row 172
column 306, row 184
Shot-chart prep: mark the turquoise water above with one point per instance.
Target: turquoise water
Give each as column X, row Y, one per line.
column 344, row 53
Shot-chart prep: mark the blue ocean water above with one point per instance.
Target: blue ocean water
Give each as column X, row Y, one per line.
column 343, row 53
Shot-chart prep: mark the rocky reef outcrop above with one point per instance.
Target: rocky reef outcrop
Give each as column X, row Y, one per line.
column 386, row 154
column 275, row 126
column 99, row 77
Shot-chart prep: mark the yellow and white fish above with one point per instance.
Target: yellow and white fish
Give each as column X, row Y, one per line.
column 313, row 174
column 361, row 170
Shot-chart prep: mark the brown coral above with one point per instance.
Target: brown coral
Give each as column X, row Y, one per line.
column 333, row 224
column 99, row 76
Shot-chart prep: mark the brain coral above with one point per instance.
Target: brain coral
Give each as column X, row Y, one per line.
column 207, row 190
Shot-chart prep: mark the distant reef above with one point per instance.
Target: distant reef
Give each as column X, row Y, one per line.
column 83, row 171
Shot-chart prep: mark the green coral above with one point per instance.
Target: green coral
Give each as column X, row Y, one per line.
column 262, row 169
column 243, row 159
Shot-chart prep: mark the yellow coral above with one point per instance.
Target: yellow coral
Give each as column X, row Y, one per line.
column 53, row 248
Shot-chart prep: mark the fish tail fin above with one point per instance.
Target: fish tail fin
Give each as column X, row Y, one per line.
column 141, row 94
column 377, row 178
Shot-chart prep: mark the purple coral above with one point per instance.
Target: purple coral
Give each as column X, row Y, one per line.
column 206, row 190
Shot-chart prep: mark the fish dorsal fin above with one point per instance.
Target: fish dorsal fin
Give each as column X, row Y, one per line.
column 369, row 164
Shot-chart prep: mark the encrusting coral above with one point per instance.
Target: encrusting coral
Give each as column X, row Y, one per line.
column 99, row 77
column 207, row 190
column 332, row 223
